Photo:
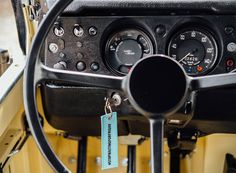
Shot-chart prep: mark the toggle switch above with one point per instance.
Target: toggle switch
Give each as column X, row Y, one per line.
column 78, row 30
column 58, row 29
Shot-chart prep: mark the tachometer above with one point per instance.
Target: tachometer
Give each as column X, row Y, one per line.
column 196, row 50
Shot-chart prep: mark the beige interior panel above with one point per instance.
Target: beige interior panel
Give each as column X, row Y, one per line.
column 12, row 104
column 66, row 149
column 207, row 158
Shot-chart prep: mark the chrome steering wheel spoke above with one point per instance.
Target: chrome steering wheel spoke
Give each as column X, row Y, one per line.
column 213, row 81
column 44, row 73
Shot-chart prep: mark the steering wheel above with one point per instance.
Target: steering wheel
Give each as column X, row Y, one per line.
column 152, row 90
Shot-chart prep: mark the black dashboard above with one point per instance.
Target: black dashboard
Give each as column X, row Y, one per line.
column 98, row 44
column 200, row 35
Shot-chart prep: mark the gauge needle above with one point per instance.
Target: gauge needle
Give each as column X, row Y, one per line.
column 184, row 57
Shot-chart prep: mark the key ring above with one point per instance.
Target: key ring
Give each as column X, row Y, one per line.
column 108, row 107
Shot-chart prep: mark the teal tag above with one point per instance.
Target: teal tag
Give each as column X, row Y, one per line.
column 109, row 138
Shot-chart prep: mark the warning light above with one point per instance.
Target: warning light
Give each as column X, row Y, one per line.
column 199, row 68
column 230, row 63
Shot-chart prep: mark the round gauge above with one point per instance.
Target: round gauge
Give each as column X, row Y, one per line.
column 195, row 50
column 124, row 48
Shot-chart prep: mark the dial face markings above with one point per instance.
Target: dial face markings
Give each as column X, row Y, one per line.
column 196, row 50
column 182, row 37
column 193, row 34
column 125, row 47
column 174, row 46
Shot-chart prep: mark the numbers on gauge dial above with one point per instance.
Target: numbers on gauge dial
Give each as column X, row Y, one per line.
column 196, row 51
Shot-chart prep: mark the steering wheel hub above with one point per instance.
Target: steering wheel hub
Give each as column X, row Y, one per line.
column 158, row 85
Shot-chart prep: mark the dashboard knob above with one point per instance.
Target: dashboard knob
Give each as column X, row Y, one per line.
column 81, row 66
column 94, row 66
column 231, row 47
column 60, row 65
column 53, row 47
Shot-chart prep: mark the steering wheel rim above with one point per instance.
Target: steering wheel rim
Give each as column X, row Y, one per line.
column 31, row 79
column 30, row 90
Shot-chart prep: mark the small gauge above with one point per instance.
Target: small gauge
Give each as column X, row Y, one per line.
column 124, row 48
column 195, row 50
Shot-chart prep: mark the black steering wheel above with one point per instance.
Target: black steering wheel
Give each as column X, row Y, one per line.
column 152, row 90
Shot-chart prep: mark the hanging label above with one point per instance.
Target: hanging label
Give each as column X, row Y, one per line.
column 109, row 138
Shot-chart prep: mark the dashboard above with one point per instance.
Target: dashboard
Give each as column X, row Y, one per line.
column 112, row 45
column 203, row 43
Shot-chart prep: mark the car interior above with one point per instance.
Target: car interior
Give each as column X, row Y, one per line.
column 115, row 86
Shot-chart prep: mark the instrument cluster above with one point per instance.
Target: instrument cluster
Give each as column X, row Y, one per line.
column 112, row 45
column 194, row 48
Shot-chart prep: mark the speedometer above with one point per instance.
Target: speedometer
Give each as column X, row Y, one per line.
column 195, row 50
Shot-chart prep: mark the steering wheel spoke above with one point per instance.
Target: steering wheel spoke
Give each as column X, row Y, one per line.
column 104, row 81
column 213, row 81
